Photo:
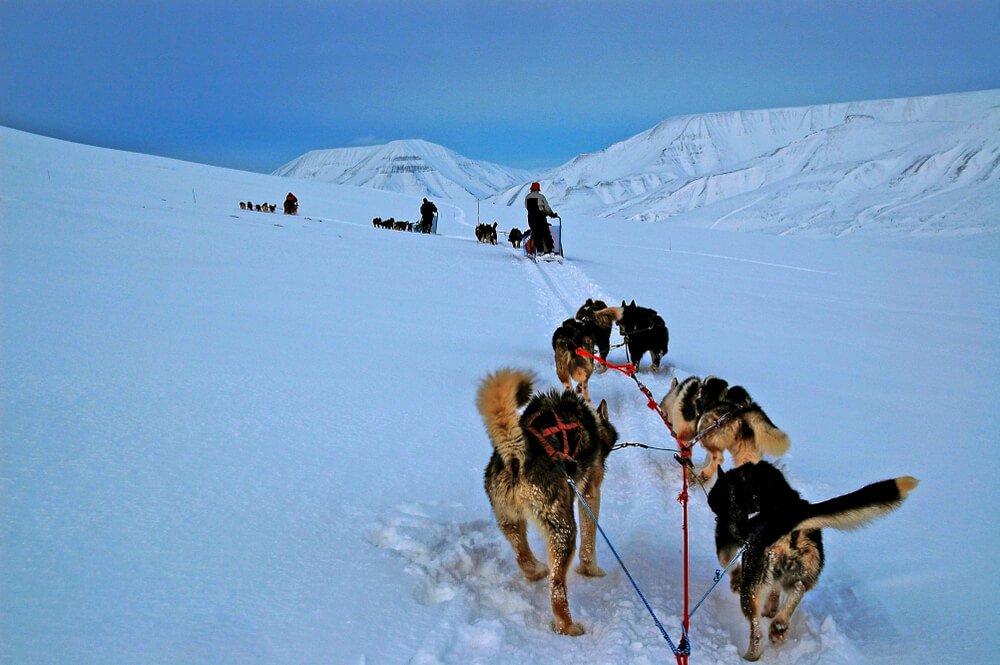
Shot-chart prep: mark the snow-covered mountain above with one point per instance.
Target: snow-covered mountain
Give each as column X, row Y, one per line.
column 921, row 165
column 408, row 167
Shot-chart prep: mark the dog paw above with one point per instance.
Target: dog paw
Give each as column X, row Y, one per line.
column 777, row 631
column 590, row 570
column 573, row 630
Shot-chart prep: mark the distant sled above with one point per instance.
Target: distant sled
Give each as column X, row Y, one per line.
column 528, row 246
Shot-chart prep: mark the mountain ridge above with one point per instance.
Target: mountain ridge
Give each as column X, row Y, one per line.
column 854, row 166
column 411, row 166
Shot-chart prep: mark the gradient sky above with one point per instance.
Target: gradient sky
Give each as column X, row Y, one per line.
column 254, row 84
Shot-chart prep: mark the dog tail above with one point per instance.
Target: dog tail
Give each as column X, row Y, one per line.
column 767, row 436
column 500, row 396
column 854, row 510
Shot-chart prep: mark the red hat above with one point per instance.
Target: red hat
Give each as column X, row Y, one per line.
column 535, row 187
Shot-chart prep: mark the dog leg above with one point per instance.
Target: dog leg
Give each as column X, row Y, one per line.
column 517, row 534
column 750, row 595
column 656, row 360
column 779, row 625
column 588, row 529
column 751, row 610
column 561, row 543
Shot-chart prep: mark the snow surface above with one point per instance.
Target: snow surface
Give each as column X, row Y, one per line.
column 234, row 437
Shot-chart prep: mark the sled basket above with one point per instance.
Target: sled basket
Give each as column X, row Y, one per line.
column 528, row 244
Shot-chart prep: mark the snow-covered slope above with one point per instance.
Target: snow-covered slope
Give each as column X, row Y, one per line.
column 925, row 165
column 410, row 167
column 233, row 438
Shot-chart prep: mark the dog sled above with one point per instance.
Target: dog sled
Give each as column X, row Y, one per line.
column 557, row 256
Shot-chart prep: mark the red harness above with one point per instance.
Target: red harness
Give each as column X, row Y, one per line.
column 564, row 436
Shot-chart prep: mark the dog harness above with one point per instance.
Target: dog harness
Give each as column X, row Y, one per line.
column 560, row 440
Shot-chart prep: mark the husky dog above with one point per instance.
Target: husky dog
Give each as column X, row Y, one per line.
column 695, row 405
column 487, row 233
column 595, row 314
column 570, row 366
column 526, row 476
column 515, row 237
column 756, row 505
column 644, row 330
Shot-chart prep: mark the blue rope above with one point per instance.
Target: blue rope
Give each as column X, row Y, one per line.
column 719, row 574
column 635, row 586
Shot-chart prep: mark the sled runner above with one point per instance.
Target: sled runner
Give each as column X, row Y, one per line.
column 557, row 256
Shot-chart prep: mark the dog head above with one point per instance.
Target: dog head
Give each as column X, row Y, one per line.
column 588, row 311
column 680, row 406
column 750, row 493
column 738, row 395
column 711, row 390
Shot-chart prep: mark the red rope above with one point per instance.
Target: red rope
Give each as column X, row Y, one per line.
column 629, row 371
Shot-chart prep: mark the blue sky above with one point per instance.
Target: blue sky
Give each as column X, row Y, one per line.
column 254, row 84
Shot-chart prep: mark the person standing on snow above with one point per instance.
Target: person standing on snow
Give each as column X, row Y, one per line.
column 427, row 212
column 538, row 212
column 291, row 204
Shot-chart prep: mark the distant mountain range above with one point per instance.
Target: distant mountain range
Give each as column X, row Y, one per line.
column 409, row 167
column 920, row 165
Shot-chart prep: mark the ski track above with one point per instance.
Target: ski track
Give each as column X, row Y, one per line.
column 493, row 614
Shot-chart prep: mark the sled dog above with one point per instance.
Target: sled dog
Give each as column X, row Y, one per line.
column 595, row 314
column 570, row 366
column 515, row 236
column 727, row 419
column 525, row 481
column 754, row 504
column 487, row 233
column 644, row 330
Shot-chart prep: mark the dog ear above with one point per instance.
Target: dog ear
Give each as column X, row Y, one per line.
column 623, row 303
column 633, row 302
column 602, row 409
column 674, row 383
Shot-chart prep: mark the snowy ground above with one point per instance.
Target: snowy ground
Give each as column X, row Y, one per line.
column 231, row 437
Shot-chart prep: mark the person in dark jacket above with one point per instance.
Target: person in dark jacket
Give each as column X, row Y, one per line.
column 427, row 212
column 291, row 204
column 538, row 214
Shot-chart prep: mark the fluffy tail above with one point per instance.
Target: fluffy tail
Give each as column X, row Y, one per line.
column 767, row 436
column 500, row 396
column 860, row 507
